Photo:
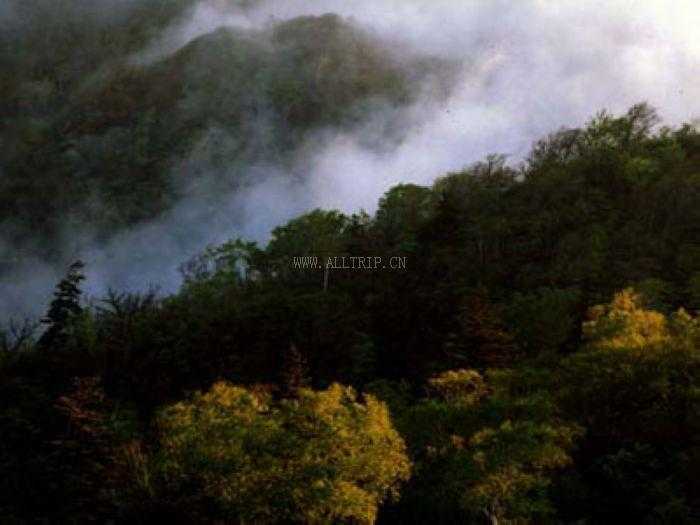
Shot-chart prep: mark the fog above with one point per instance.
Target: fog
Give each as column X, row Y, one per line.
column 527, row 68
column 532, row 67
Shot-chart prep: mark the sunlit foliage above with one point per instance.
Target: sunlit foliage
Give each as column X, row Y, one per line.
column 319, row 458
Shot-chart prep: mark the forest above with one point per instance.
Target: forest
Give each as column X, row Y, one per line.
column 537, row 361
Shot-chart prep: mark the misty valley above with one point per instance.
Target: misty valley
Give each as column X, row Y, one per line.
column 318, row 262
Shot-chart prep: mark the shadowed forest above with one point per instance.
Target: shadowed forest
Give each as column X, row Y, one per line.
column 536, row 361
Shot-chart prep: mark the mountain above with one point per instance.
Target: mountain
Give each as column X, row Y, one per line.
column 100, row 138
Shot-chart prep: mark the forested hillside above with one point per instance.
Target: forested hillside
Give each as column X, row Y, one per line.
column 115, row 141
column 536, row 361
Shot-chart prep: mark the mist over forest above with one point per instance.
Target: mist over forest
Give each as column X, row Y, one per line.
column 137, row 133
column 179, row 180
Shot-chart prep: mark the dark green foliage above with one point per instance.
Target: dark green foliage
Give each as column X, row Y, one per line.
column 544, row 320
column 519, row 397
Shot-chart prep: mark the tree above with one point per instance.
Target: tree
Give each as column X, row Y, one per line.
column 294, row 372
column 482, row 452
column 626, row 324
column 17, row 336
column 634, row 387
column 543, row 320
column 403, row 211
column 64, row 307
column 482, row 339
column 320, row 234
column 324, row 457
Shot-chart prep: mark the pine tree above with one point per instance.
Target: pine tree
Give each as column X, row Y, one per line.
column 64, row 307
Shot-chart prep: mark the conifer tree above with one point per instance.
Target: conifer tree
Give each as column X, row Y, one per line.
column 64, row 307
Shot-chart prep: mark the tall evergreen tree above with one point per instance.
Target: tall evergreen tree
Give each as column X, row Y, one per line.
column 64, row 307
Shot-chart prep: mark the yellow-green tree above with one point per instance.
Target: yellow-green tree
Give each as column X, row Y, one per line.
column 483, row 450
column 635, row 377
column 626, row 324
column 322, row 457
column 634, row 388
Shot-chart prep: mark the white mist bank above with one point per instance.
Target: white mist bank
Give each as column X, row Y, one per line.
column 533, row 67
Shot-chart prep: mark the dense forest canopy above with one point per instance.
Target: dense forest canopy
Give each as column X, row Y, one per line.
column 536, row 360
